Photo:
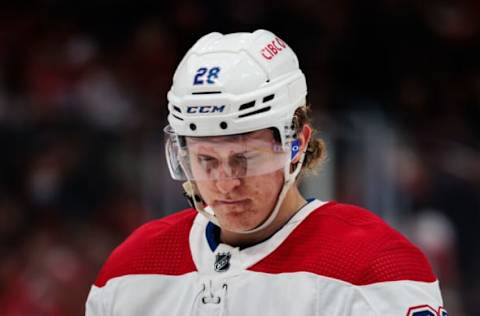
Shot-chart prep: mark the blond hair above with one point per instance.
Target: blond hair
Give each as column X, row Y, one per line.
column 316, row 151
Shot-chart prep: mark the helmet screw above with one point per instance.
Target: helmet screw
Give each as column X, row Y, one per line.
column 223, row 125
column 193, row 126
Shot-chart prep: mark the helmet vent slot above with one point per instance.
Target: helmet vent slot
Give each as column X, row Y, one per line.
column 178, row 118
column 247, row 105
column 176, row 108
column 207, row 92
column 268, row 98
column 265, row 109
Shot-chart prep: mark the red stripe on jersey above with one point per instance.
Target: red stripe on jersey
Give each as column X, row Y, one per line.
column 158, row 247
column 351, row 244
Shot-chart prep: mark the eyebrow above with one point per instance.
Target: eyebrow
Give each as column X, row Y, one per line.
column 214, row 139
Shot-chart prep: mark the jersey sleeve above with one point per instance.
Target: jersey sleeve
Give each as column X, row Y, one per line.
column 399, row 281
column 97, row 302
column 399, row 298
column 143, row 253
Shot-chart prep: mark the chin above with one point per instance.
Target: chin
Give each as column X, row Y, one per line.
column 235, row 224
column 237, row 228
column 239, row 219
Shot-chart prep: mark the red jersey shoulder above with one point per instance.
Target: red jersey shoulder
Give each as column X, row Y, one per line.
column 157, row 247
column 351, row 244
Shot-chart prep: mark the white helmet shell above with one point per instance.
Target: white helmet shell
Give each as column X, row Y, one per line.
column 236, row 83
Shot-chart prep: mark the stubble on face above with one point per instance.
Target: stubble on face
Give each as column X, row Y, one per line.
column 248, row 205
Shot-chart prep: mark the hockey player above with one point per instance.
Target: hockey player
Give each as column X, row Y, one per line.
column 239, row 136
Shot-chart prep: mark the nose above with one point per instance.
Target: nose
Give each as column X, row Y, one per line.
column 227, row 185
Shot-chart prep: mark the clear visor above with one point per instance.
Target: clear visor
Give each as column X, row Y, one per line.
column 224, row 157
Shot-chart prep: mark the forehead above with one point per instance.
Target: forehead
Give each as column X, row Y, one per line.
column 264, row 136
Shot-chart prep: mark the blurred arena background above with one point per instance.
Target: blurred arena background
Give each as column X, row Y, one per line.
column 394, row 85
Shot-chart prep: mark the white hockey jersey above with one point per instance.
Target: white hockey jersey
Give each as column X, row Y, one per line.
column 329, row 259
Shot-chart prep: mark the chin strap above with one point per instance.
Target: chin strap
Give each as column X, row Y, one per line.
column 195, row 200
column 290, row 178
column 193, row 195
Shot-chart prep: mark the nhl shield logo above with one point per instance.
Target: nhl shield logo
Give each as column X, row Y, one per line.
column 222, row 261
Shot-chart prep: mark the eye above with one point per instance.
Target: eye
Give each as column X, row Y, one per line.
column 244, row 157
column 204, row 158
column 239, row 157
column 251, row 155
column 207, row 161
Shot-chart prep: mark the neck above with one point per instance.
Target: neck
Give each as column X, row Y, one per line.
column 292, row 203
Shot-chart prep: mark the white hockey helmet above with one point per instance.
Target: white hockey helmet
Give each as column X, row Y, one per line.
column 234, row 84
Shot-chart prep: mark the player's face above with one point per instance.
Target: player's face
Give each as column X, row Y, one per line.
column 240, row 202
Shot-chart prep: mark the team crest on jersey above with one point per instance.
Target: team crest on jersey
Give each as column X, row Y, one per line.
column 222, row 261
column 426, row 310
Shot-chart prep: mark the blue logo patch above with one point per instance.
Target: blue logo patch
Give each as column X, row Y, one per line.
column 295, row 148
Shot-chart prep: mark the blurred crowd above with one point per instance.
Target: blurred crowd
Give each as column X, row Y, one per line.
column 394, row 85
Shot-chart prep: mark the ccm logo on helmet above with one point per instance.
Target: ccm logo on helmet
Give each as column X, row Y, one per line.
column 273, row 48
column 206, row 109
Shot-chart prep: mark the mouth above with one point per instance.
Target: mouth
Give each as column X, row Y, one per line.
column 231, row 202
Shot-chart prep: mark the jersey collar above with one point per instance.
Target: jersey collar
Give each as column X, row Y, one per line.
column 205, row 246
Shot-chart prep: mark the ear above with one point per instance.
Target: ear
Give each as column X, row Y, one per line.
column 303, row 137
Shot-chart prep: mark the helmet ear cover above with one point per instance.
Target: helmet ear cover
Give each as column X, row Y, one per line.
column 295, row 142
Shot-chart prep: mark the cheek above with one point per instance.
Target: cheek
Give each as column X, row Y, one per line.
column 206, row 189
column 267, row 188
column 263, row 190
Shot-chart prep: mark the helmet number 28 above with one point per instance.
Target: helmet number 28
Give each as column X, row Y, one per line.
column 206, row 75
